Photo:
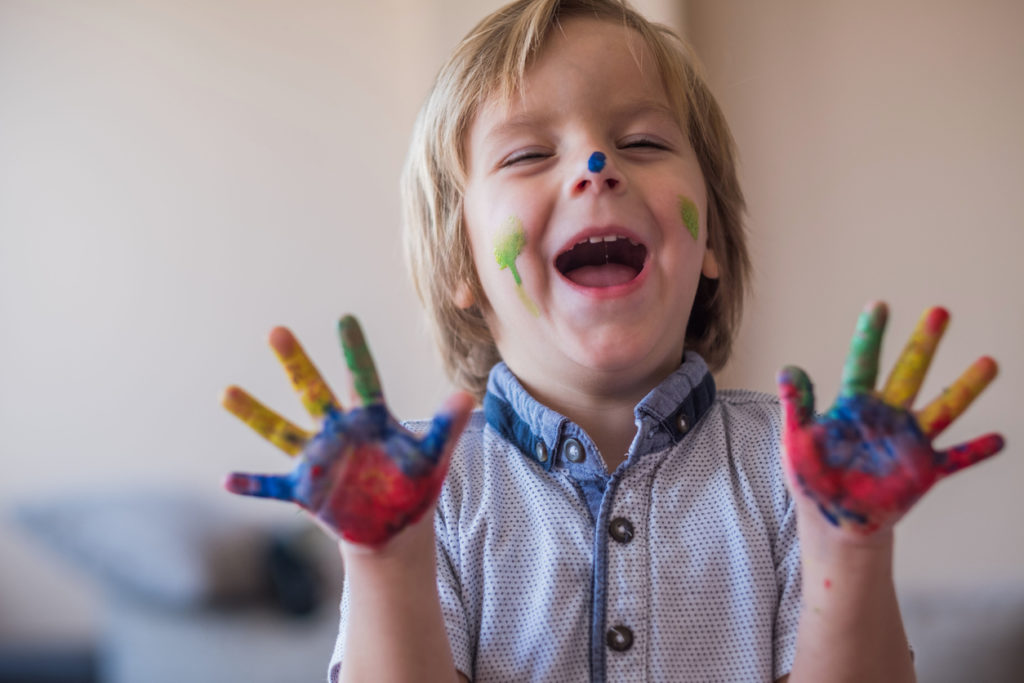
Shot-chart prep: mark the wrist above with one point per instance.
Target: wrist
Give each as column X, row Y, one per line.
column 409, row 553
column 830, row 550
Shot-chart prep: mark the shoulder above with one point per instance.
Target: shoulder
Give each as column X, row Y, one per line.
column 746, row 400
column 743, row 434
column 473, row 431
column 747, row 417
column 479, row 457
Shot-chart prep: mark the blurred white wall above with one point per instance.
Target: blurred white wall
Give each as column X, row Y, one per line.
column 883, row 157
column 177, row 177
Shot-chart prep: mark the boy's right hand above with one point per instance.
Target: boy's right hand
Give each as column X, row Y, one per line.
column 363, row 475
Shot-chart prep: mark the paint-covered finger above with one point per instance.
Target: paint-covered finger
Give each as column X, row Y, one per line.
column 861, row 369
column 279, row 487
column 955, row 399
column 264, row 421
column 447, row 425
column 797, row 395
column 967, row 454
column 907, row 375
column 365, row 382
column 305, row 378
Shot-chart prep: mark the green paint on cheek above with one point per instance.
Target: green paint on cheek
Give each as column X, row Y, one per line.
column 508, row 244
column 690, row 216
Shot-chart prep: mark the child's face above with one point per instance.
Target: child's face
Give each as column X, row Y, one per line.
column 615, row 308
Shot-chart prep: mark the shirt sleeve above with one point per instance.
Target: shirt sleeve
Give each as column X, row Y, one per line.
column 788, row 579
column 449, row 590
column 334, row 670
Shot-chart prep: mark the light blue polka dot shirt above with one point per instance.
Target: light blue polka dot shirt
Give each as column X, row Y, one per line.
column 681, row 565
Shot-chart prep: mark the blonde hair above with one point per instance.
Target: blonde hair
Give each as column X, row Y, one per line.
column 492, row 61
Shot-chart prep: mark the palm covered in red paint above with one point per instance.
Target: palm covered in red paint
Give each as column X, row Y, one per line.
column 867, row 460
column 363, row 475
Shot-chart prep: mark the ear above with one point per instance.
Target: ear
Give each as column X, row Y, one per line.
column 462, row 297
column 709, row 268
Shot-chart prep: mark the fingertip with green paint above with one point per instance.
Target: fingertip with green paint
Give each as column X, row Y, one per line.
column 360, row 363
column 861, row 368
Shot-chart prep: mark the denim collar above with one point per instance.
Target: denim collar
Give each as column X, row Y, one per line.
column 663, row 417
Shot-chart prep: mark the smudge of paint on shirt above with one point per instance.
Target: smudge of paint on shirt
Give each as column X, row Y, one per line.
column 595, row 164
column 690, row 215
column 508, row 244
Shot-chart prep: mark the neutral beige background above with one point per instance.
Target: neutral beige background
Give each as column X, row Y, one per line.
column 177, row 177
column 883, row 157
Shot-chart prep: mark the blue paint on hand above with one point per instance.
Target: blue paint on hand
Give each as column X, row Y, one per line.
column 596, row 162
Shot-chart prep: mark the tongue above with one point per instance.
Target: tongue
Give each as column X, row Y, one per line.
column 608, row 275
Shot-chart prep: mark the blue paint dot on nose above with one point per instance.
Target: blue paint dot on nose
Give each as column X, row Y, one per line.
column 596, row 162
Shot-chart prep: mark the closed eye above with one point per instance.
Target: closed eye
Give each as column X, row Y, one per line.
column 642, row 143
column 523, row 156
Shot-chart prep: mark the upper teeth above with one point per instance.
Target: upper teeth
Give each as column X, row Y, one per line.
column 607, row 238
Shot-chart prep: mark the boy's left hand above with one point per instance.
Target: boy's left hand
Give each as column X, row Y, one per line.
column 869, row 458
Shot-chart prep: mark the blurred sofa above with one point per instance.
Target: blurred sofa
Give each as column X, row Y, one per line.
column 192, row 590
column 196, row 591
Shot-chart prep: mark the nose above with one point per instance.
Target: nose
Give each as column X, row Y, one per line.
column 598, row 174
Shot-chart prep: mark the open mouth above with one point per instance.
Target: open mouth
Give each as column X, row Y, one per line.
column 602, row 261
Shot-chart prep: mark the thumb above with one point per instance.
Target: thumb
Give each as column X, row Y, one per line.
column 799, row 450
column 447, row 426
column 797, row 395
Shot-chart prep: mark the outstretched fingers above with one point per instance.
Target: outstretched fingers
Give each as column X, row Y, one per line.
column 955, row 399
column 264, row 421
column 316, row 396
column 861, row 369
column 365, row 382
column 279, row 487
column 967, row 454
column 908, row 374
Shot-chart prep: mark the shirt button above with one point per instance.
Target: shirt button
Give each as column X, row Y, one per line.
column 541, row 451
column 573, row 450
column 682, row 423
column 619, row 638
column 621, row 529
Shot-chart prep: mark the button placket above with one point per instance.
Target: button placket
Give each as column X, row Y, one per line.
column 627, row 605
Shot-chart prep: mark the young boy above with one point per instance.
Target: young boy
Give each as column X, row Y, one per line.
column 574, row 229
